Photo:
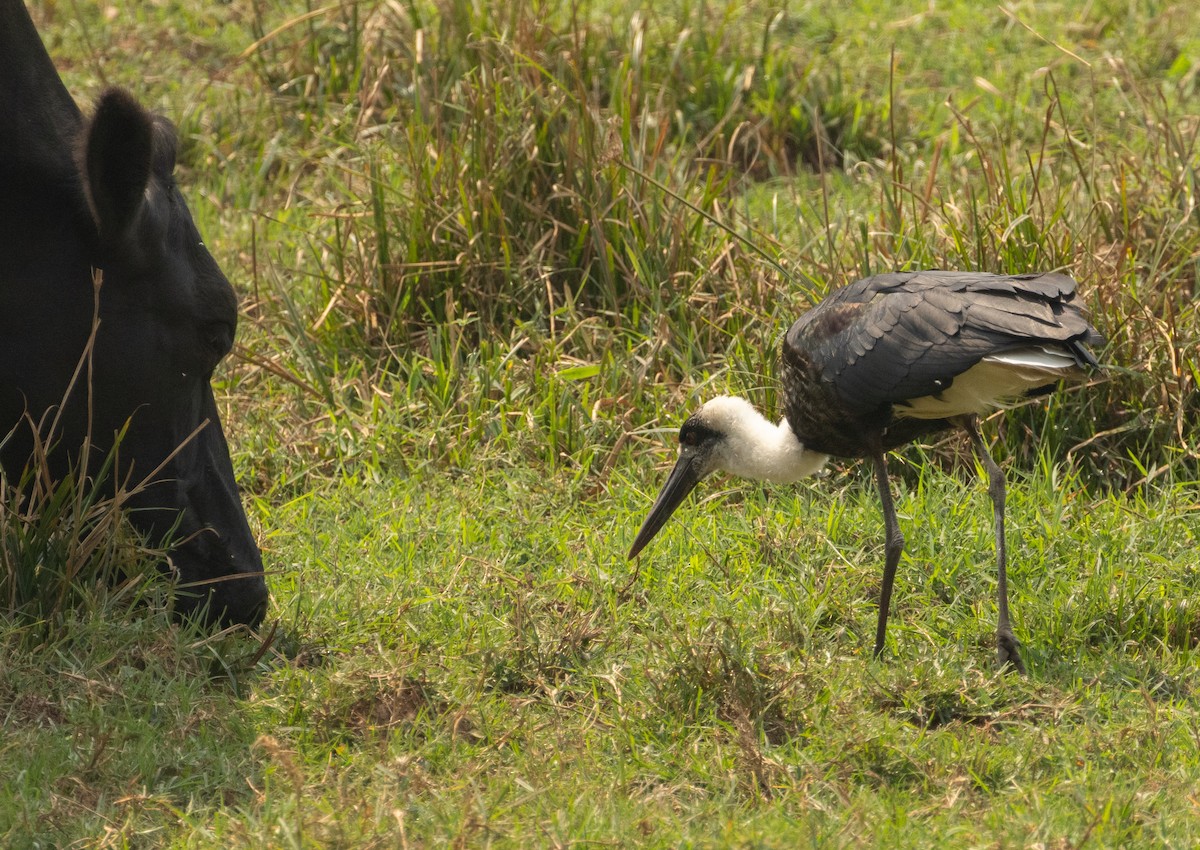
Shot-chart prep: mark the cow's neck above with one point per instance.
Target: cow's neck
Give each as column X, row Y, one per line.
column 38, row 118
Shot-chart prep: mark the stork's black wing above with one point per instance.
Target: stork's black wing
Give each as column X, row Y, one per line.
column 894, row 337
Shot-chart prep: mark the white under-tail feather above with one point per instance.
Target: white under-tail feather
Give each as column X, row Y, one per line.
column 995, row 381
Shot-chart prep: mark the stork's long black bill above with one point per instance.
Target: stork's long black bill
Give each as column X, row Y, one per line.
column 683, row 479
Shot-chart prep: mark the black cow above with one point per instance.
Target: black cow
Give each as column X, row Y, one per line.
column 84, row 197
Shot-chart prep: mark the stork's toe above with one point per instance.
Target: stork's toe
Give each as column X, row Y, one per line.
column 1007, row 656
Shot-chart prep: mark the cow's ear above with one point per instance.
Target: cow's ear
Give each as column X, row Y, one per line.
column 116, row 159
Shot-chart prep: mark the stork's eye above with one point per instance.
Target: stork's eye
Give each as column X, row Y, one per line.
column 693, row 434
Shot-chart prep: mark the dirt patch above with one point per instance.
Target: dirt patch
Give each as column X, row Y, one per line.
column 386, row 703
column 395, row 703
column 36, row 710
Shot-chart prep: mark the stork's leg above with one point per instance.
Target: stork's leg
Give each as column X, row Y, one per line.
column 1006, row 642
column 893, row 545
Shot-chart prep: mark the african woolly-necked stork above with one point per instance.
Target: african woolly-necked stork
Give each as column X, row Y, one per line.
column 880, row 363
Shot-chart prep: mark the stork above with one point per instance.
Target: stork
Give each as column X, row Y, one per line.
column 880, row 363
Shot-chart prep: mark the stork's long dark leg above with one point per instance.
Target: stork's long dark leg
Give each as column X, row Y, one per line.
column 893, row 545
column 1006, row 642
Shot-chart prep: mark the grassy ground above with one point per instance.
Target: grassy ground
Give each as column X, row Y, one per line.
column 490, row 257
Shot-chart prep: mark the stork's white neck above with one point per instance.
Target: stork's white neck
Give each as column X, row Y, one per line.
column 755, row 448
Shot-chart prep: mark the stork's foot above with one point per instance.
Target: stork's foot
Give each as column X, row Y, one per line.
column 1007, row 656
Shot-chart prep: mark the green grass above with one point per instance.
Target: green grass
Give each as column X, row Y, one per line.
column 474, row 660
column 489, row 258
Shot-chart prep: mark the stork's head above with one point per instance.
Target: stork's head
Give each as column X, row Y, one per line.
column 728, row 434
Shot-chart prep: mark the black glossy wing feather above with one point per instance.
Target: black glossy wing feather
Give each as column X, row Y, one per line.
column 895, row 337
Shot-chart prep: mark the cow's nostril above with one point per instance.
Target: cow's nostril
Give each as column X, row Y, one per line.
column 257, row 614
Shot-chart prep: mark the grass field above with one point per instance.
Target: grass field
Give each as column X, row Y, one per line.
column 490, row 256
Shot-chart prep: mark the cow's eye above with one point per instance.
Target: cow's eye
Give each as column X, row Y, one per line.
column 217, row 338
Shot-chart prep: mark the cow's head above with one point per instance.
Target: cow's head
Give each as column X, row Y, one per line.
column 167, row 318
